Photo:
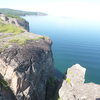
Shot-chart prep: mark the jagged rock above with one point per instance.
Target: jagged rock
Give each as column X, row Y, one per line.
column 26, row 68
column 74, row 88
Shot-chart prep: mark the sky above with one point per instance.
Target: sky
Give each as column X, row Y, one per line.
column 69, row 8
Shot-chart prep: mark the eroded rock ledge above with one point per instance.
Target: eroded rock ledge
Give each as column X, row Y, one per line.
column 74, row 88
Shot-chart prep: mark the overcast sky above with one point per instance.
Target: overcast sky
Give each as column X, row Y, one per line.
column 70, row 8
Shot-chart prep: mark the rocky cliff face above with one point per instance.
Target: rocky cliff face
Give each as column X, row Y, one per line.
column 25, row 66
column 74, row 88
column 18, row 22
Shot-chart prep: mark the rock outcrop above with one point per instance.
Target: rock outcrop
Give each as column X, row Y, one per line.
column 18, row 22
column 26, row 64
column 74, row 88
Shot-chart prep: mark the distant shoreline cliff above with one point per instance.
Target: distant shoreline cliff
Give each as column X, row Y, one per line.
column 8, row 11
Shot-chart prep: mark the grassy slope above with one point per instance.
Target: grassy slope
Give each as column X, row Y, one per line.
column 9, row 28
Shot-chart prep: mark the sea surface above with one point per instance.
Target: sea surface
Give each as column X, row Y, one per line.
column 74, row 41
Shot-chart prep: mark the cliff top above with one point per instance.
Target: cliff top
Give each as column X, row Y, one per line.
column 9, row 39
column 15, row 31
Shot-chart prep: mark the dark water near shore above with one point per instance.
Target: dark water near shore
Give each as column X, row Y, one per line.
column 74, row 41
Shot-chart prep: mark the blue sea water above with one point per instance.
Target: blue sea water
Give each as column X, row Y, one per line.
column 74, row 41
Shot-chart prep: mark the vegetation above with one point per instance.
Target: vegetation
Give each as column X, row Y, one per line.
column 4, row 83
column 22, row 40
column 9, row 28
column 58, row 99
column 7, row 11
column 14, row 16
column 68, row 80
column 19, row 40
column 51, row 81
column 17, row 13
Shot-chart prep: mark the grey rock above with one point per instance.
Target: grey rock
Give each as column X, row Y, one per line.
column 74, row 88
column 26, row 68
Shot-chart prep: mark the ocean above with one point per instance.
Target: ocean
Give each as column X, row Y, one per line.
column 75, row 41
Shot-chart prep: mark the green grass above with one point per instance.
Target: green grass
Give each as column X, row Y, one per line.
column 19, row 40
column 22, row 40
column 9, row 28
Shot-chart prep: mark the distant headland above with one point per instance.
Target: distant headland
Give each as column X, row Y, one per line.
column 8, row 11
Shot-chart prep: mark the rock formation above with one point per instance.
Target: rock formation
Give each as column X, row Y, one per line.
column 74, row 88
column 18, row 22
column 26, row 64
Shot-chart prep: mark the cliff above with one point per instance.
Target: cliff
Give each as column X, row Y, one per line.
column 26, row 64
column 74, row 88
column 17, row 21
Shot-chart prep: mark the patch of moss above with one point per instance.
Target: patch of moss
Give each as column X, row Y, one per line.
column 22, row 40
column 68, row 80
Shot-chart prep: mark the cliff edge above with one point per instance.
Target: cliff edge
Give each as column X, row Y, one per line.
column 26, row 64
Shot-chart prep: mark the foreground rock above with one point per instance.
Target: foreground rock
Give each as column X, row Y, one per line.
column 26, row 66
column 74, row 88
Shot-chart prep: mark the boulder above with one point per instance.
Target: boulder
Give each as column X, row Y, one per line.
column 74, row 88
